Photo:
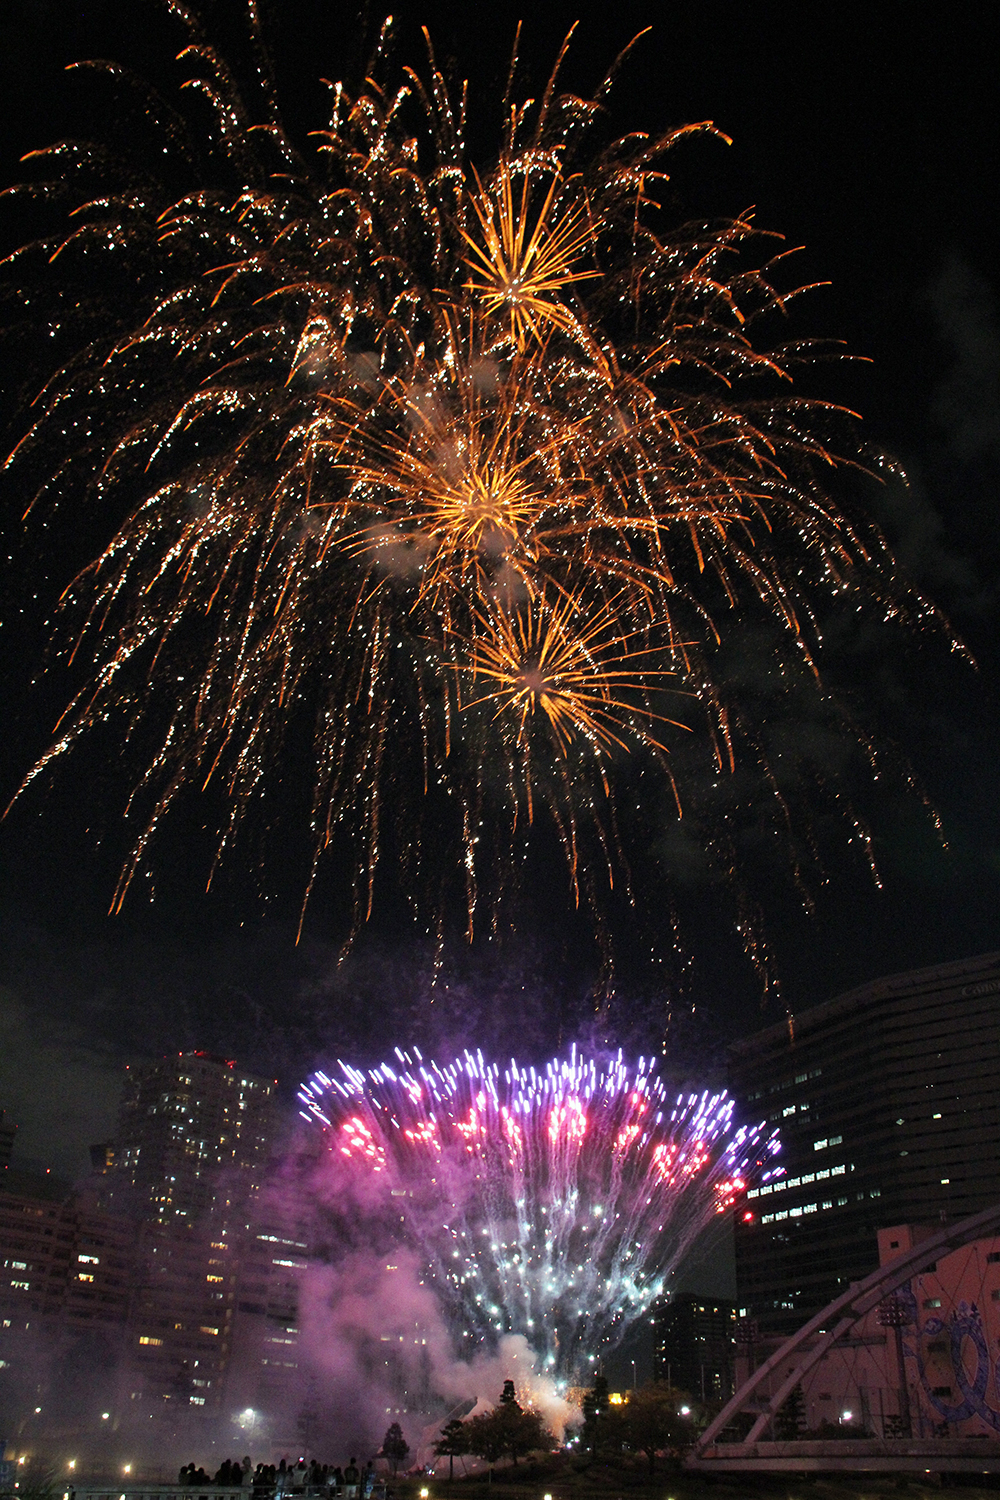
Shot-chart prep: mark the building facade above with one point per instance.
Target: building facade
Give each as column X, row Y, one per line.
column 66, row 1277
column 8, row 1132
column 889, row 1113
column 694, row 1348
column 919, row 1364
column 194, row 1136
column 119, row 1303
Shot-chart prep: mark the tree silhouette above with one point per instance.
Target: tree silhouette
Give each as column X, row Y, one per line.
column 595, row 1406
column 394, row 1446
column 453, row 1442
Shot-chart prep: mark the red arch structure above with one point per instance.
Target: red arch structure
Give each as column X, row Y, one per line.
column 718, row 1451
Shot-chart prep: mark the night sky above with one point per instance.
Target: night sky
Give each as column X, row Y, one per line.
column 869, row 135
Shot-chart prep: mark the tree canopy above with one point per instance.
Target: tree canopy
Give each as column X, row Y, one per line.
column 650, row 1421
column 506, row 1431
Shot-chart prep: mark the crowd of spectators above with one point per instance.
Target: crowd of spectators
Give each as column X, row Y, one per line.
column 350, row 1483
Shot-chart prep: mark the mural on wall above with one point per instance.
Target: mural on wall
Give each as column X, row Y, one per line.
column 963, row 1328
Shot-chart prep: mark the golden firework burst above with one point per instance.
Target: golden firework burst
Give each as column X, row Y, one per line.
column 457, row 469
column 569, row 663
column 528, row 257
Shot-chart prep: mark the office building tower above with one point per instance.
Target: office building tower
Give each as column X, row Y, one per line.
column 889, row 1113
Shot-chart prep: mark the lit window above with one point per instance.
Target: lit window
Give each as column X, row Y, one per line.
column 932, row 1302
column 789, row 1109
column 89, row 1260
column 820, row 1145
column 144, row 1338
column 213, row 1331
column 754, row 1193
column 84, row 1276
column 837, row 1171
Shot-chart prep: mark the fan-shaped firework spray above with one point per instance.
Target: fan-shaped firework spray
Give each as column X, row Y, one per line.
column 552, row 1203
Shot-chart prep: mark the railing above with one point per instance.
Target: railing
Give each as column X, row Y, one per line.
column 135, row 1490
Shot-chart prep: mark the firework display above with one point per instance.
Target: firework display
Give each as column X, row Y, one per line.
column 416, row 474
column 552, row 1203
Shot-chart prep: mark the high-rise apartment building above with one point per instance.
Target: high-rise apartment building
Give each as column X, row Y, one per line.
column 887, row 1103
column 125, row 1293
column 194, row 1132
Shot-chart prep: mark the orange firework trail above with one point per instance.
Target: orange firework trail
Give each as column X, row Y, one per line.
column 472, row 469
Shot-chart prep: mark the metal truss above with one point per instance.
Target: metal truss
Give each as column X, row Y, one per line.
column 806, row 1348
